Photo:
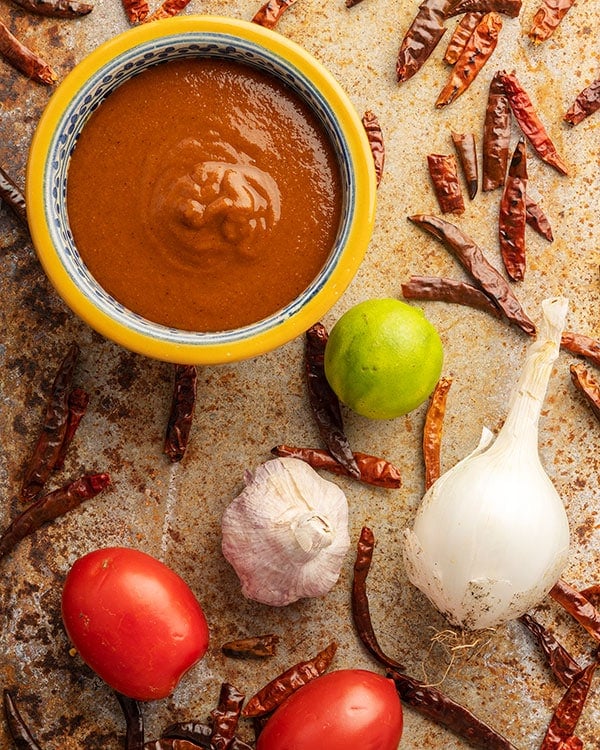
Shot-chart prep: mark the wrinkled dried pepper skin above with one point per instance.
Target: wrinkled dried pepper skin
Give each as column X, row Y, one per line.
column 24, row 59
column 373, row 470
column 375, row 138
column 432, row 431
column 538, row 220
column 134, row 722
column 460, row 36
column 566, row 715
column 513, row 215
column 56, row 8
column 510, row 8
column 136, row 10
column 181, row 414
column 225, row 717
column 587, row 385
column 421, row 39
column 496, row 136
column 586, row 103
column 547, row 18
column 466, row 150
column 324, row 403
column 254, row 647
column 22, row 737
column 476, row 53
column 471, row 257
column 13, row 197
column 582, row 345
column 277, row 690
column 78, row 402
column 562, row 664
column 443, row 172
column 189, row 731
column 360, row 603
column 578, row 607
column 269, row 14
column 168, row 9
column 530, row 123
column 438, row 289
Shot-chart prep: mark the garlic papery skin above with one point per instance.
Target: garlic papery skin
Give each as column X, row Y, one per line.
column 286, row 534
column 491, row 536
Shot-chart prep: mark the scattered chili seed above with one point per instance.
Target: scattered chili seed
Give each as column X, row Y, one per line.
column 13, row 197
column 269, row 14
column 586, row 103
column 225, row 717
column 449, row 290
column 444, row 177
column 78, row 402
column 19, row 731
column 577, row 606
column 547, row 18
column 280, row 688
column 23, row 59
column 471, row 257
column 510, row 8
column 584, row 346
column 563, row 665
column 513, row 215
column 586, row 384
column 51, row 506
column 433, row 704
column 477, row 51
column 460, row 36
column 537, row 219
column 432, row 431
column 567, row 713
column 136, row 10
column 360, row 602
column 373, row 470
column 182, row 411
column 168, row 9
column 56, row 8
column 134, row 722
column 421, row 38
column 48, row 447
column 375, row 138
column 496, row 136
column 530, row 123
column 255, row 647
column 324, row 403
column 467, row 156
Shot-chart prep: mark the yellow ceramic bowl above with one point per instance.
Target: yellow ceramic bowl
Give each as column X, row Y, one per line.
column 92, row 81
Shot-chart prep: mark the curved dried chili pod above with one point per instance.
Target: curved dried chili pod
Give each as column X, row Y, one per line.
column 278, row 689
column 584, row 346
column 373, row 470
column 375, row 138
column 567, row 713
column 471, row 60
column 225, row 717
column 444, row 177
column 134, row 720
column 586, row 384
column 13, row 197
column 324, row 403
column 182, row 411
column 360, row 602
column 563, row 665
column 537, row 219
column 547, row 18
column 471, row 257
column 460, row 36
column 78, row 402
column 510, row 8
column 467, row 156
column 432, row 431
column 22, row 737
column 254, row 647
column 586, row 103
column 433, row 704
column 24, row 59
column 51, row 506
column 496, row 136
column 56, row 8
column 421, row 39
column 513, row 215
column 449, row 290
column 269, row 14
column 577, row 606
column 530, row 123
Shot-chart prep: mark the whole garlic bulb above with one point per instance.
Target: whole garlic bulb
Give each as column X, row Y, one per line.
column 286, row 534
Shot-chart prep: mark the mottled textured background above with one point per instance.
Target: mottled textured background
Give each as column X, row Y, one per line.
column 173, row 512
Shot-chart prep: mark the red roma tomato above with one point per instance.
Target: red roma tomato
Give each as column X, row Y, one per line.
column 133, row 620
column 342, row 710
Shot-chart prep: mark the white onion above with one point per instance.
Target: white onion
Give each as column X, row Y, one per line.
column 491, row 536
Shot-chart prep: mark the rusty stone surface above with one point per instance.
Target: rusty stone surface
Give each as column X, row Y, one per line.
column 173, row 511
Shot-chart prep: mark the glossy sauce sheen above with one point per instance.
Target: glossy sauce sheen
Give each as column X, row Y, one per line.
column 204, row 195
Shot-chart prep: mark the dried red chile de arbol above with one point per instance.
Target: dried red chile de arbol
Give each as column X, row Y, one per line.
column 225, row 717
column 136, row 10
column 547, row 18
column 563, row 665
column 438, row 289
column 513, row 215
column 586, row 384
column 586, row 103
column 56, row 8
column 460, row 36
column 422, row 37
column 24, row 59
column 444, row 178
column 268, row 15
column 13, row 197
column 496, row 136
column 580, row 608
column 375, row 138
column 582, row 345
column 538, row 220
column 182, row 411
column 467, row 156
column 510, row 8
column 253, row 647
column 566, row 715
column 432, row 431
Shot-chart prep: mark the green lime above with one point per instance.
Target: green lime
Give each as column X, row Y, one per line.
column 383, row 358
